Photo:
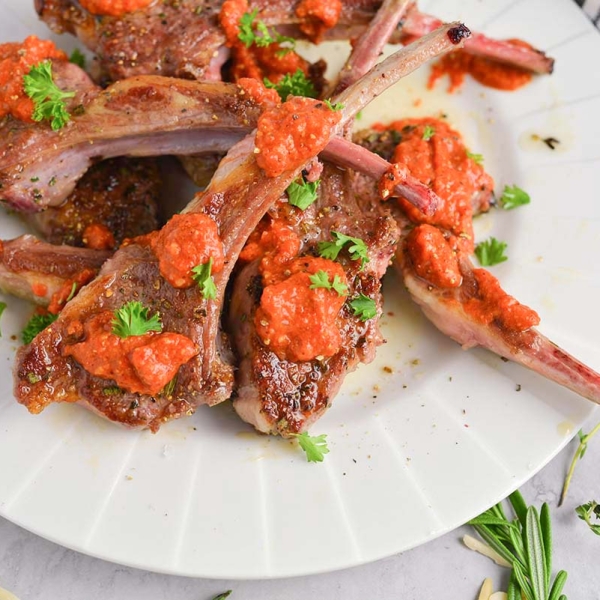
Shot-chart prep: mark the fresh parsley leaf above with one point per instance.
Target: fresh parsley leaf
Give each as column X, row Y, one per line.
column 589, row 511
column 303, row 194
column 47, row 98
column 3, row 306
column 296, row 84
column 202, row 276
column 248, row 34
column 513, row 196
column 364, row 307
column 314, row 446
column 337, row 106
column 35, row 325
column 223, row 595
column 77, row 58
column 133, row 319
column 490, row 252
column 321, row 280
column 428, row 133
column 478, row 158
column 358, row 249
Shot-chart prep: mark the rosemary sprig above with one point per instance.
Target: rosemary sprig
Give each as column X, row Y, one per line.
column 526, row 543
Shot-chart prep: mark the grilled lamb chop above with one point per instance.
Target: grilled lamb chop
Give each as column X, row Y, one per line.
column 119, row 195
column 283, row 396
column 141, row 42
column 237, row 198
column 39, row 271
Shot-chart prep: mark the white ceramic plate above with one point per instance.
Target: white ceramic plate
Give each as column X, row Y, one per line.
column 423, row 439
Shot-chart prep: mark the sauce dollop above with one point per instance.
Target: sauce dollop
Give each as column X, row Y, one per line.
column 113, row 8
column 490, row 73
column 16, row 60
column 317, row 16
column 443, row 163
column 293, row 132
column 433, row 257
column 142, row 364
column 186, row 241
column 296, row 322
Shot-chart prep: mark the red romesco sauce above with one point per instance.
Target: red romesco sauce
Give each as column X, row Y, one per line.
column 433, row 258
column 442, row 163
column 186, row 241
column 142, row 364
column 291, row 133
column 270, row 61
column 68, row 290
column 493, row 304
column 113, row 8
column 317, row 16
column 490, row 73
column 260, row 93
column 16, row 61
column 98, row 237
column 296, row 322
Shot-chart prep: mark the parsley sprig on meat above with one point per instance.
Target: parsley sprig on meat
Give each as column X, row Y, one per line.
column 133, row 318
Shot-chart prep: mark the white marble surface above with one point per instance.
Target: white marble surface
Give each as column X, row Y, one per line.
column 35, row 569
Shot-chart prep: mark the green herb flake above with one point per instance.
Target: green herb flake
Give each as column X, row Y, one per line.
column 364, row 307
column 513, row 196
column 478, row 158
column 133, row 319
column 321, row 280
column 315, row 447
column 428, row 133
column 249, row 27
column 357, row 249
column 302, row 194
column 335, row 107
column 48, row 99
column 490, row 252
column 77, row 58
column 35, row 325
column 296, row 84
column 223, row 596
column 589, row 511
column 202, row 276
column 112, row 390
column 3, row 306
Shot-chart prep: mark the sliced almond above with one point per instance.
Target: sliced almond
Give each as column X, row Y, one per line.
column 474, row 544
column 487, row 590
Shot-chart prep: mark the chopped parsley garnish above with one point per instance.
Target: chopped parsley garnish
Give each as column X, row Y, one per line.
column 223, row 595
column 296, row 84
column 478, row 158
column 35, row 325
column 202, row 276
column 337, row 106
column 357, row 249
column 133, row 319
column 590, row 513
column 321, row 280
column 3, row 306
column 490, row 252
column 77, row 58
column 364, row 307
column 48, row 99
column 513, row 196
column 428, row 133
column 315, row 447
column 303, row 194
column 249, row 30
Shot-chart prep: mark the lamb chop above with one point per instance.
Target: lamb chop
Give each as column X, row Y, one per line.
column 116, row 199
column 140, row 42
column 240, row 193
column 42, row 272
column 284, row 389
column 467, row 303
